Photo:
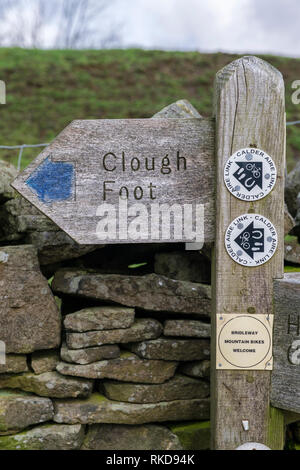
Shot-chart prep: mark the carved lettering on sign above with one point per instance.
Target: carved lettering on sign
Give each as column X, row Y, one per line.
column 294, row 353
column 127, row 181
column 285, row 392
column 293, row 324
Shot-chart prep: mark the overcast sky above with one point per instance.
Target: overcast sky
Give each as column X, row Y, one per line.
column 213, row 25
column 253, row 26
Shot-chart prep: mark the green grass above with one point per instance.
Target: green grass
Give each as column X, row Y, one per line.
column 292, row 269
column 135, row 266
column 46, row 90
column 290, row 239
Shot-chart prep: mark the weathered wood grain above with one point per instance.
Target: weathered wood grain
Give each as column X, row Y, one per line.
column 285, row 392
column 249, row 111
column 180, row 151
column 183, row 109
column 276, row 429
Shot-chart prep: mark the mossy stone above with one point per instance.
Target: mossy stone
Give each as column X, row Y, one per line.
column 45, row 437
column 193, row 435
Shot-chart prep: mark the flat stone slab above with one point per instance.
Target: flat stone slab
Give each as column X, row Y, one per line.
column 142, row 329
column 292, row 250
column 20, row 410
column 188, row 328
column 197, row 369
column 183, row 266
column 20, row 220
column 44, row 361
column 289, row 221
column 193, row 436
column 15, row 364
column 8, row 173
column 89, row 355
column 292, row 189
column 172, row 349
column 29, row 317
column 179, row 109
column 99, row 318
column 149, row 292
column 98, row 409
column 57, row 246
column 46, row 437
column 178, row 387
column 48, row 384
column 122, row 437
column 18, row 216
column 127, row 368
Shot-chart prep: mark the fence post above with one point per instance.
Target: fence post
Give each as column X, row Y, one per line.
column 249, row 112
column 2, row 92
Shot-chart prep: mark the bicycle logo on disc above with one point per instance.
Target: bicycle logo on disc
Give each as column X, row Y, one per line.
column 250, row 174
column 251, row 240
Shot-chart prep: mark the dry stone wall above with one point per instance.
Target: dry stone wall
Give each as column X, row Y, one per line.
column 101, row 361
column 108, row 348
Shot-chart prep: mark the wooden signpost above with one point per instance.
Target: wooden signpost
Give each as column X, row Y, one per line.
column 215, row 180
column 250, row 113
column 92, row 164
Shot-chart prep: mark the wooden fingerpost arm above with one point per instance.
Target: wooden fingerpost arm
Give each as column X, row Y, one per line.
column 249, row 112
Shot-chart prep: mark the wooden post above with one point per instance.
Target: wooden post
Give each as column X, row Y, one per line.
column 2, row 92
column 285, row 392
column 276, row 429
column 249, row 112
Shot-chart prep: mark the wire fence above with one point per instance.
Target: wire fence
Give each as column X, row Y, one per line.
column 25, row 146
column 292, row 123
column 21, row 148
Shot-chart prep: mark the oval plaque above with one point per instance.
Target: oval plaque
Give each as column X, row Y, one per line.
column 251, row 240
column 250, row 174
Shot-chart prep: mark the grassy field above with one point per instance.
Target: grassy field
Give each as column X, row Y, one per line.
column 48, row 89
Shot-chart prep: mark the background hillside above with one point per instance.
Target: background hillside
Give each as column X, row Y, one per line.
column 46, row 89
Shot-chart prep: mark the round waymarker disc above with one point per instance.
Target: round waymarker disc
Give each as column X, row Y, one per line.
column 251, row 240
column 250, row 174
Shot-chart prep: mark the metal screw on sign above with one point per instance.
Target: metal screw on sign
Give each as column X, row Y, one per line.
column 253, row 446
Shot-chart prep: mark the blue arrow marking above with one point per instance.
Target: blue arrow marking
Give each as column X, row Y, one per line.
column 52, row 181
